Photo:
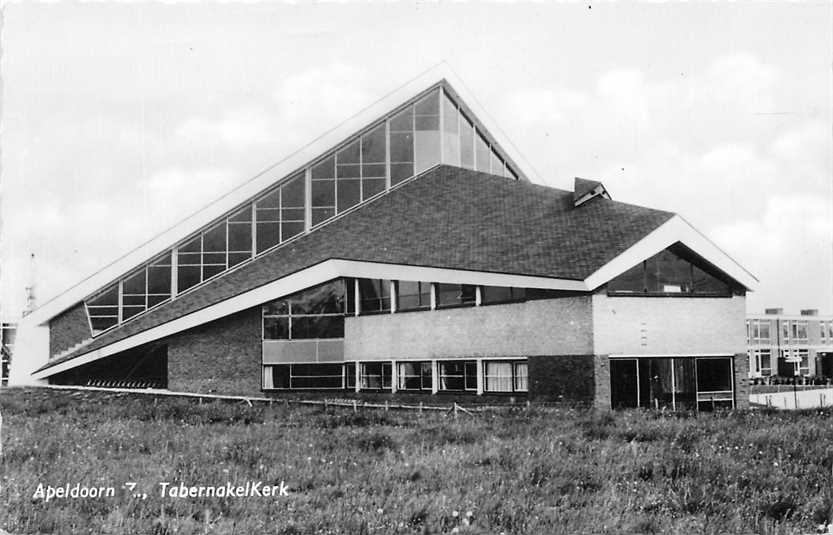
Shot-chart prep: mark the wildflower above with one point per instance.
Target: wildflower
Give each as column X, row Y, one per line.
column 455, row 514
column 380, row 510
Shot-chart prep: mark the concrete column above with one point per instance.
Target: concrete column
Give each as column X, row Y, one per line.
column 480, row 378
column 358, row 377
column 435, row 377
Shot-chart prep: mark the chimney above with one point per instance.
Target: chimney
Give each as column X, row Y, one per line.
column 810, row 312
column 773, row 311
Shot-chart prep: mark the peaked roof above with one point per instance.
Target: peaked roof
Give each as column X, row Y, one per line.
column 439, row 75
column 448, row 217
column 584, row 190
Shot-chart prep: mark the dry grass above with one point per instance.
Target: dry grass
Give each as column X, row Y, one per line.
column 520, row 471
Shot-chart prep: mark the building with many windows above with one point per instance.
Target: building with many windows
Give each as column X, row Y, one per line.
column 789, row 345
column 409, row 251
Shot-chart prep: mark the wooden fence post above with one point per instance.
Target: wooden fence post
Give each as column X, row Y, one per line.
column 355, row 409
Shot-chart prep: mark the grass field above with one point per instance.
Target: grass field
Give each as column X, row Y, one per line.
column 519, row 471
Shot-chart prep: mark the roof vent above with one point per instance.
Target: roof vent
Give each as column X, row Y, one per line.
column 810, row 312
column 584, row 190
column 773, row 311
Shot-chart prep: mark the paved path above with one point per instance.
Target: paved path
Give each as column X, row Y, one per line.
column 807, row 399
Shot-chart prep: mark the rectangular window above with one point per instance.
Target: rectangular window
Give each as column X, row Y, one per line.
column 450, row 295
column 293, row 201
column 427, row 132
column 415, row 375
column 375, row 295
column 314, row 313
column 505, row 376
column 466, row 143
column 268, row 220
column 323, row 180
column 240, row 236
column 348, row 176
column 401, row 140
column 491, row 295
column 451, row 131
column 304, row 377
column 350, row 375
column 375, row 375
column 103, row 309
column 800, row 331
column 214, row 251
column 412, row 295
column 458, row 375
column 374, row 178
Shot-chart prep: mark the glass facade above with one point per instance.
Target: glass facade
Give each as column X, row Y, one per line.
column 668, row 273
column 425, row 132
column 315, row 313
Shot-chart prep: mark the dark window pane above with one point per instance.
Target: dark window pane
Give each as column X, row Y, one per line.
column 237, row 258
column 349, row 171
column 373, row 145
column 280, row 376
column 348, row 154
column 322, row 214
column 289, row 230
column 348, row 194
column 103, row 310
column 375, row 295
column 129, row 312
column 307, row 327
column 243, row 215
column 266, row 215
column 714, row 374
column 189, row 259
column 630, row 282
column 292, row 214
column 705, row 284
column 163, row 260
column 214, row 258
column 428, row 105
column 133, row 300
column 110, row 296
column 326, row 298
column 323, row 193
column 293, row 192
column 326, row 168
column 192, row 246
column 350, row 375
column 499, row 294
column 374, row 170
column 154, row 300
column 101, row 324
column 215, row 238
column 134, row 284
column 276, row 328
column 270, row 200
column 210, row 271
column 413, row 295
column 466, row 143
column 267, row 236
column 483, row 154
column 240, row 237
column 159, row 280
column 403, row 121
column 277, row 307
column 400, row 171
column 188, row 276
column 451, row 129
column 401, row 148
column 455, row 294
column 371, row 187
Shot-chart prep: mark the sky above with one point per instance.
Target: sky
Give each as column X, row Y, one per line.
column 118, row 120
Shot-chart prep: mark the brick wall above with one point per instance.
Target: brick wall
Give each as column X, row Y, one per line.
column 560, row 326
column 221, row 357
column 741, row 365
column 567, row 378
column 67, row 329
column 601, row 366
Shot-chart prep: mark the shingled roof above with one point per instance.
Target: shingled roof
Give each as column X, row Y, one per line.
column 446, row 218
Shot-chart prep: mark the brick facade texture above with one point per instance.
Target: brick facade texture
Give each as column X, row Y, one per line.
column 741, row 366
column 223, row 356
column 562, row 378
column 67, row 329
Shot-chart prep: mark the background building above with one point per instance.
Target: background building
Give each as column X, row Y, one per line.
column 409, row 252
column 774, row 337
column 8, row 332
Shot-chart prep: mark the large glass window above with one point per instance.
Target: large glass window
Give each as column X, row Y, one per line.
column 458, row 375
column 323, row 179
column 466, row 143
column 451, row 131
column 314, row 313
column 667, row 273
column 304, row 377
column 482, row 154
column 293, row 201
column 103, row 309
column 240, row 236
column 348, row 176
column 401, row 138
column 376, row 375
column 415, row 375
column 449, row 295
column 375, row 295
column 374, row 174
column 412, row 295
column 427, row 132
column 501, row 294
column 505, row 376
